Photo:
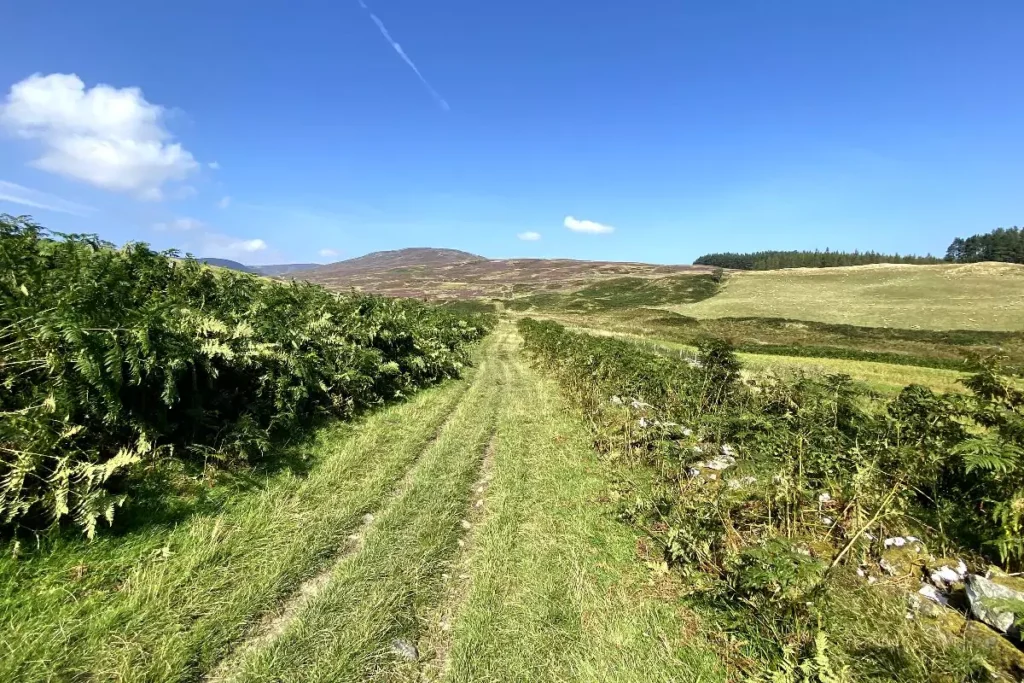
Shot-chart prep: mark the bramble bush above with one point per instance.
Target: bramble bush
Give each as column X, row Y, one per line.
column 767, row 493
column 112, row 357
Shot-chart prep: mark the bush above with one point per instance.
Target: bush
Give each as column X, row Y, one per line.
column 112, row 357
column 767, row 493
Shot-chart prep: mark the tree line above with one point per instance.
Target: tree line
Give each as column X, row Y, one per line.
column 1002, row 244
column 772, row 260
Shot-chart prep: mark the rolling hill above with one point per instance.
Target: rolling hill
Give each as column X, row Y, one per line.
column 277, row 269
column 452, row 274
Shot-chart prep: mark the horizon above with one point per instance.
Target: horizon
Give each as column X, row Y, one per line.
column 325, row 131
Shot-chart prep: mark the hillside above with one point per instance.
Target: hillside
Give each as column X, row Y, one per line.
column 451, row 274
column 979, row 296
column 275, row 269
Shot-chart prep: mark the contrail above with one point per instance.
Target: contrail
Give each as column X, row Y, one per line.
column 401, row 53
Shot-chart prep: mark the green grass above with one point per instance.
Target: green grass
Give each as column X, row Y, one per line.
column 980, row 296
column 882, row 377
column 281, row 578
column 165, row 602
column 374, row 596
column 948, row 349
column 556, row 591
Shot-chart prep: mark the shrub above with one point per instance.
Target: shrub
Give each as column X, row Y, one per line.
column 111, row 357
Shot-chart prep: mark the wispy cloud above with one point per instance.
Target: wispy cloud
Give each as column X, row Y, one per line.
column 529, row 236
column 577, row 225
column 401, row 53
column 224, row 202
column 214, row 165
column 26, row 196
column 328, row 253
column 179, row 225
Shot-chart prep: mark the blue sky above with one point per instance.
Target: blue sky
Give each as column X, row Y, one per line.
column 301, row 131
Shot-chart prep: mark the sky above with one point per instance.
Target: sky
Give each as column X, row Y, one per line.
column 301, row 131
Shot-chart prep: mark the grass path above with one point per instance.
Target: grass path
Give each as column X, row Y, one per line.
column 458, row 537
column 165, row 603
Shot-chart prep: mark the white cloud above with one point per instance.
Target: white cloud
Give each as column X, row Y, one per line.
column 224, row 202
column 213, row 244
column 179, row 225
column 529, row 236
column 328, row 253
column 214, row 165
column 26, row 196
column 249, row 246
column 109, row 137
column 577, row 225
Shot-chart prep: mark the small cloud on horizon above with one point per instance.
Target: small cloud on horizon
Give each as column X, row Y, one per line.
column 591, row 227
column 328, row 253
column 224, row 202
column 529, row 236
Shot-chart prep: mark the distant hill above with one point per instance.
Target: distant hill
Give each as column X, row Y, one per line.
column 284, row 268
column 228, row 263
column 454, row 274
column 277, row 269
column 398, row 258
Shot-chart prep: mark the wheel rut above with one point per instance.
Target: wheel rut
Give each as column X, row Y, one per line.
column 275, row 623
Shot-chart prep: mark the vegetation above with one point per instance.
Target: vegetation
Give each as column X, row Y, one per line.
column 768, row 496
column 1002, row 244
column 622, row 293
column 979, row 296
column 170, row 598
column 116, row 359
column 773, row 260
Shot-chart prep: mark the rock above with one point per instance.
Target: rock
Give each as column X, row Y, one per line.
column 727, row 450
column 997, row 650
column 933, row 594
column 616, row 400
column 405, row 649
column 367, row 518
column 720, row 463
column 981, row 590
column 466, row 525
column 825, row 497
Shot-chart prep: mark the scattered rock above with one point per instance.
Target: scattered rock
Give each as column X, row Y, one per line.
column 466, row 525
column 981, row 590
column 367, row 518
column 405, row 649
column 616, row 400
column 825, row 497
column 720, row 463
column 480, row 503
column 933, row 594
column 727, row 450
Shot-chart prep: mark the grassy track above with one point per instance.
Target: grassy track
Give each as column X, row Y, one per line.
column 167, row 603
column 555, row 590
column 319, row 578
column 977, row 296
column 374, row 596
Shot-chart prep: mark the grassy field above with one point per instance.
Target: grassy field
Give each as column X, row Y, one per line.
column 883, row 377
column 981, row 296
